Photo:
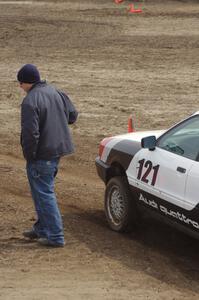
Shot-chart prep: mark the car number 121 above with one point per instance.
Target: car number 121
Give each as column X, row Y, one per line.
column 145, row 168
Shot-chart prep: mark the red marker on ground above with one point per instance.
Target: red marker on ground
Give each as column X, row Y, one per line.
column 135, row 10
column 118, row 1
column 131, row 127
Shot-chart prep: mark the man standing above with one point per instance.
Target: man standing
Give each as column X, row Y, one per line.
column 45, row 137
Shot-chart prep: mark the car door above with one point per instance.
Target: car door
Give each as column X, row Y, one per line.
column 191, row 202
column 165, row 171
column 160, row 173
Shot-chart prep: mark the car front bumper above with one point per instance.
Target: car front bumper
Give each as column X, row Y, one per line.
column 102, row 169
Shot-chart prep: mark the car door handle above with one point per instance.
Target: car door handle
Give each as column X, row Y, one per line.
column 181, row 170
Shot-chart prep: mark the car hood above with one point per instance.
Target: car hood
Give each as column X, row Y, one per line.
column 138, row 135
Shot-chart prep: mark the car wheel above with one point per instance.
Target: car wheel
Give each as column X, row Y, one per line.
column 119, row 204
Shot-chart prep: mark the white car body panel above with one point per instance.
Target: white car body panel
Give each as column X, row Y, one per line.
column 134, row 136
column 170, row 184
column 192, row 187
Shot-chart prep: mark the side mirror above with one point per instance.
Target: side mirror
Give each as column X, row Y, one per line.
column 149, row 142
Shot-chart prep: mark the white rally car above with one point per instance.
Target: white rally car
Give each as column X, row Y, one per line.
column 153, row 172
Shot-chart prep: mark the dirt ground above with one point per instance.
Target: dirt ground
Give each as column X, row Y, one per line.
column 111, row 63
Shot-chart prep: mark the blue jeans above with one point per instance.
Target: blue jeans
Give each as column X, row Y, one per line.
column 41, row 175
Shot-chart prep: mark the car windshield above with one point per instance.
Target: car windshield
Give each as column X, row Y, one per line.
column 183, row 139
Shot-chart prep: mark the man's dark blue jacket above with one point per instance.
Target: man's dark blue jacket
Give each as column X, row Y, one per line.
column 45, row 115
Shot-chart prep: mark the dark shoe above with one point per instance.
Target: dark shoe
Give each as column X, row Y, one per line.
column 46, row 242
column 31, row 234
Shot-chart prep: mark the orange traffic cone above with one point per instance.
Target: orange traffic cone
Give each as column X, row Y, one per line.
column 131, row 124
column 118, row 1
column 135, row 10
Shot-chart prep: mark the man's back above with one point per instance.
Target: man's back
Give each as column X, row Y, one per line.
column 45, row 118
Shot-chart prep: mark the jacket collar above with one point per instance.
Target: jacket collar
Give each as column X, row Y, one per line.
column 37, row 84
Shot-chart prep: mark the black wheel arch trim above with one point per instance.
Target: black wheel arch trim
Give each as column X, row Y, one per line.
column 123, row 152
column 118, row 160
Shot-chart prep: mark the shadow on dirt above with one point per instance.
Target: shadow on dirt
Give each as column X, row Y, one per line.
column 153, row 248
column 11, row 243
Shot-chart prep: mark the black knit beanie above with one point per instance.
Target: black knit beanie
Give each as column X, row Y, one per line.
column 28, row 74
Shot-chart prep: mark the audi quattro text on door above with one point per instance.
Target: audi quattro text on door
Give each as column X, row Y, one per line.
column 152, row 171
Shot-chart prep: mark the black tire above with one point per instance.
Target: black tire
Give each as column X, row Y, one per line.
column 119, row 205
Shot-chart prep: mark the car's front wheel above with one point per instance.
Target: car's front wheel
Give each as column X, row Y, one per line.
column 119, row 205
